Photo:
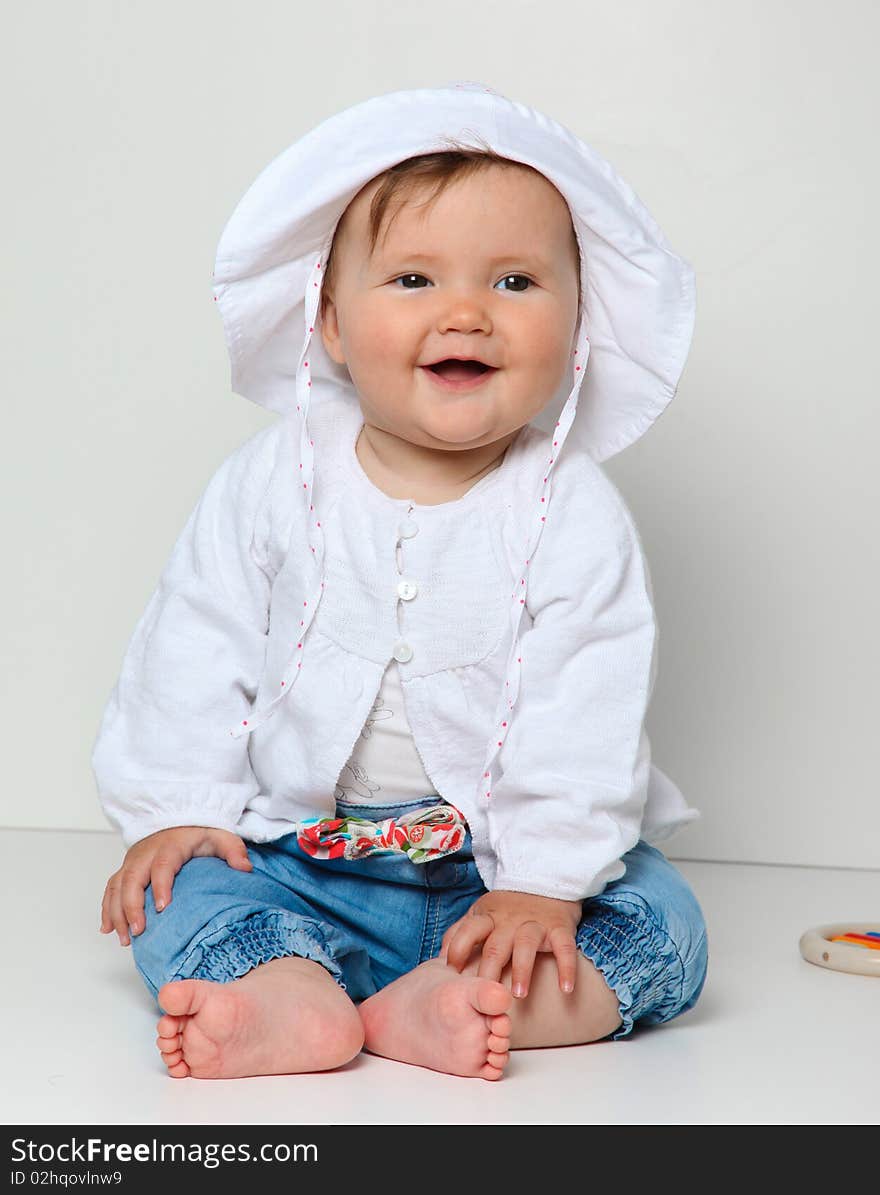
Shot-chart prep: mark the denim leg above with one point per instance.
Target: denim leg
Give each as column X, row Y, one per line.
column 646, row 933
column 221, row 923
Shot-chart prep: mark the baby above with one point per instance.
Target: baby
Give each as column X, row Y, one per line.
column 377, row 749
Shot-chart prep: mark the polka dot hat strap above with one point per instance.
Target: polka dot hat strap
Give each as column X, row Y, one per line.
column 510, row 692
column 315, row 584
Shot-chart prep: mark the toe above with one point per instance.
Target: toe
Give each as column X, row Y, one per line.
column 169, row 1026
column 490, row 1072
column 183, row 997
column 179, row 1071
column 497, row 1044
column 491, row 997
column 499, row 1061
column 167, row 1045
column 176, row 1056
column 500, row 1025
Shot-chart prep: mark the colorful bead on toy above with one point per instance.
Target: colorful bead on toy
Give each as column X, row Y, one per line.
column 870, row 940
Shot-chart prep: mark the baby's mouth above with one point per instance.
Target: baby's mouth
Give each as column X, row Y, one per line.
column 459, row 371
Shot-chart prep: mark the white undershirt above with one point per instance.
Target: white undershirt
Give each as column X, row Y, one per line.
column 384, row 767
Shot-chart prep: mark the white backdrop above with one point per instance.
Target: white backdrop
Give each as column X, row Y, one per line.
column 748, row 130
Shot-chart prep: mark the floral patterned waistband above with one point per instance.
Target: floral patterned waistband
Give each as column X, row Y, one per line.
column 428, row 833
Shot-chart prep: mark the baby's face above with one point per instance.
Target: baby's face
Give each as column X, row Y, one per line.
column 489, row 272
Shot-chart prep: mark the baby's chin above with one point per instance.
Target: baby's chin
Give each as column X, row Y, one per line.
column 459, row 423
column 457, row 434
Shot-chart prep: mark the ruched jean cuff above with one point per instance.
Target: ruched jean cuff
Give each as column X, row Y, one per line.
column 638, row 960
column 231, row 950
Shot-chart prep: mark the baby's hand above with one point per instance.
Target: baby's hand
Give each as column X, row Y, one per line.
column 156, row 860
column 516, row 925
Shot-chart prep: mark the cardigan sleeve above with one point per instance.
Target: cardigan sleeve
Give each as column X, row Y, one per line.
column 164, row 756
column 574, row 767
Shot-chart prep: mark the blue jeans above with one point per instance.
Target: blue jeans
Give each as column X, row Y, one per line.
column 370, row 920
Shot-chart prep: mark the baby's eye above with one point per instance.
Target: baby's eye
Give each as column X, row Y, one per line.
column 402, row 276
column 523, row 277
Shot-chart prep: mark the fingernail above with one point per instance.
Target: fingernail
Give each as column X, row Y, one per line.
column 518, row 989
column 568, row 986
column 160, row 905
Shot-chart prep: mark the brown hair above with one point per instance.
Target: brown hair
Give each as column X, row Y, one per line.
column 405, row 179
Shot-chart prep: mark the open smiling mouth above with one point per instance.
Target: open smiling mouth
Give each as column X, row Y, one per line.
column 458, row 375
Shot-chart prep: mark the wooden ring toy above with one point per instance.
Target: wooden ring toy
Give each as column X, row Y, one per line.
column 852, row 946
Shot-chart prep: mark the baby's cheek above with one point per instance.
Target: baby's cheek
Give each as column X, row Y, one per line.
column 551, row 357
column 542, row 337
column 387, row 345
column 377, row 337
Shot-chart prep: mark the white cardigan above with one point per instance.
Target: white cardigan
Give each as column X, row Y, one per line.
column 576, row 788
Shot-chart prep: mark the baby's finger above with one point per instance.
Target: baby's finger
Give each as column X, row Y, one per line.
column 165, row 868
column 565, row 949
column 496, row 954
column 529, row 938
column 449, row 937
column 470, row 931
column 450, row 933
column 454, row 949
column 106, row 919
column 236, row 856
column 117, row 916
column 133, row 883
column 445, row 940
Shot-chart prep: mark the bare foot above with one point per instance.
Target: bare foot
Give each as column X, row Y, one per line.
column 284, row 1017
column 437, row 1018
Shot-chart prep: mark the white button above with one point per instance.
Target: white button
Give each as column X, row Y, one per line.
column 402, row 651
column 407, row 590
column 407, row 528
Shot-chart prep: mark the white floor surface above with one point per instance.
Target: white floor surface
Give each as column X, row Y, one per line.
column 773, row 1039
